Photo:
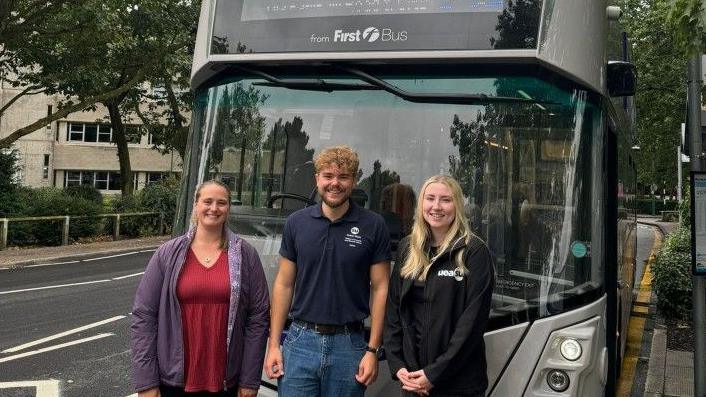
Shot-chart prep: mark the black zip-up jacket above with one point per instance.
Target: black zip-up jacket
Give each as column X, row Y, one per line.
column 452, row 351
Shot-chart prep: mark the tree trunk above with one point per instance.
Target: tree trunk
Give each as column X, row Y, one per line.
column 120, row 140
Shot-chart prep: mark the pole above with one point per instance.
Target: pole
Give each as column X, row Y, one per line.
column 696, row 149
column 3, row 233
column 65, row 232
column 679, row 181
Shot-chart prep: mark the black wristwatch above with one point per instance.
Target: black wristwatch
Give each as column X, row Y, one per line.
column 379, row 352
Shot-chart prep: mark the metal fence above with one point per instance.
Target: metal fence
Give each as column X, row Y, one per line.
column 5, row 223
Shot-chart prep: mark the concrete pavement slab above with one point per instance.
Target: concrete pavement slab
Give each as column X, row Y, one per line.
column 19, row 257
column 655, row 372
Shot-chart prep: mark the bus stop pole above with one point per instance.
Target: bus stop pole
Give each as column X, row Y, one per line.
column 695, row 150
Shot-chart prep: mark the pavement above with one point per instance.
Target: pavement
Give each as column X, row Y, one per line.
column 20, row 257
column 669, row 372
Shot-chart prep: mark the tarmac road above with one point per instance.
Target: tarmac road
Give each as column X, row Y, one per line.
column 69, row 323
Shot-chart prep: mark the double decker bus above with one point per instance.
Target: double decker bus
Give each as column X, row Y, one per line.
column 527, row 103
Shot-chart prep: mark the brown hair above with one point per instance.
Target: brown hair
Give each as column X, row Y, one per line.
column 197, row 194
column 342, row 156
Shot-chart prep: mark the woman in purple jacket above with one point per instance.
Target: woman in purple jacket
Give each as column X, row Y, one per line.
column 200, row 318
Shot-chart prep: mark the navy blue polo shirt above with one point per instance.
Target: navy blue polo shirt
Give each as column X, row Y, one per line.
column 333, row 262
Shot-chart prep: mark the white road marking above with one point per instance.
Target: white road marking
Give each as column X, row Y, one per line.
column 127, row 276
column 110, row 256
column 62, row 334
column 132, row 395
column 56, row 347
column 51, row 264
column 53, row 286
column 152, row 250
column 44, row 388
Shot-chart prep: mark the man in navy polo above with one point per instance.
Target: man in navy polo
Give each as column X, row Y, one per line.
column 332, row 256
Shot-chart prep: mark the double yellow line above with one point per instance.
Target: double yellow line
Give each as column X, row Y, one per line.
column 636, row 326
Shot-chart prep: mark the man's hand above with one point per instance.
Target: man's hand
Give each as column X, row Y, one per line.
column 246, row 392
column 367, row 369
column 153, row 392
column 274, row 364
column 408, row 384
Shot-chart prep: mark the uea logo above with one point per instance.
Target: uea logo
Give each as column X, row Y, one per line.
column 371, row 34
column 457, row 274
column 355, row 230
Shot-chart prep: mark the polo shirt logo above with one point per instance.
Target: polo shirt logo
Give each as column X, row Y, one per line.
column 353, row 239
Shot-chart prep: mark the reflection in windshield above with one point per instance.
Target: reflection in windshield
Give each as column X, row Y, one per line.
column 530, row 172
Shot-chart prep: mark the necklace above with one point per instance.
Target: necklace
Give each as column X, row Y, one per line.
column 207, row 260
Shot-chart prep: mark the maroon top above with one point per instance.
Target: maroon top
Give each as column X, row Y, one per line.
column 204, row 296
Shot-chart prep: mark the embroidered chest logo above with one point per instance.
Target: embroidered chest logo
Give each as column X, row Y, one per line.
column 353, row 238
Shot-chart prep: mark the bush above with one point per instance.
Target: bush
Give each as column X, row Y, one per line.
column 644, row 205
column 161, row 197
column 158, row 197
column 53, row 202
column 87, row 192
column 671, row 275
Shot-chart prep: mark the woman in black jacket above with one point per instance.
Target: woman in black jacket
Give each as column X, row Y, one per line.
column 439, row 299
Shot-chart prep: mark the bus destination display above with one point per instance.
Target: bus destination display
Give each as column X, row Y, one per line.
column 258, row 10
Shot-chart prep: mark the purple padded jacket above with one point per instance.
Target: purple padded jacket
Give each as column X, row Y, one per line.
column 156, row 338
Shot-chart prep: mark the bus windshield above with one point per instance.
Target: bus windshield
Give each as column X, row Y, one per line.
column 531, row 169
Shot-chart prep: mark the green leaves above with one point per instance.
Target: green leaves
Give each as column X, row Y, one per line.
column 661, row 89
column 671, row 275
column 686, row 19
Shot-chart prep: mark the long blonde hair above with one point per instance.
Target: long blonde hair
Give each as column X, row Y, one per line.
column 417, row 262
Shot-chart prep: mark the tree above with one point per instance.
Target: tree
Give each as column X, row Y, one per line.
column 51, row 48
column 688, row 23
column 518, row 25
column 8, row 184
column 661, row 92
column 105, row 52
column 467, row 168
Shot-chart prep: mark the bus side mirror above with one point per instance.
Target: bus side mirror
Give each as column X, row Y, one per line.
column 622, row 77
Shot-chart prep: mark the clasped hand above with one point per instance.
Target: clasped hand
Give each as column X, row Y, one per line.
column 415, row 382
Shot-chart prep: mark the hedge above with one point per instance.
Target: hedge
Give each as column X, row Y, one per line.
column 671, row 275
column 644, row 205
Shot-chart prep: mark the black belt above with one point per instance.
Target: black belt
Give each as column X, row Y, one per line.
column 328, row 329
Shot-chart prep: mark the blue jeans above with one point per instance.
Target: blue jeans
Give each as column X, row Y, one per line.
column 318, row 365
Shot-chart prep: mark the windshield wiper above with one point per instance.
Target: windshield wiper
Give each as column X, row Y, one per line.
column 307, row 84
column 441, row 98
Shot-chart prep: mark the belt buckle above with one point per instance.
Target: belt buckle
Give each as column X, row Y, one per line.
column 323, row 329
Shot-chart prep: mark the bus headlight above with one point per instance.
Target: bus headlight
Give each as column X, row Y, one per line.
column 570, row 349
column 558, row 380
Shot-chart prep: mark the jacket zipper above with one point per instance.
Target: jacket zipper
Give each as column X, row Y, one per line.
column 424, row 351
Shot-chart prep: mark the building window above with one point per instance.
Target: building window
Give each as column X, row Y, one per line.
column 105, row 133
column 133, row 133
column 102, row 133
column 72, row 178
column 101, row 180
column 89, row 132
column 154, row 177
column 49, row 112
column 75, row 132
column 114, row 181
column 45, row 167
